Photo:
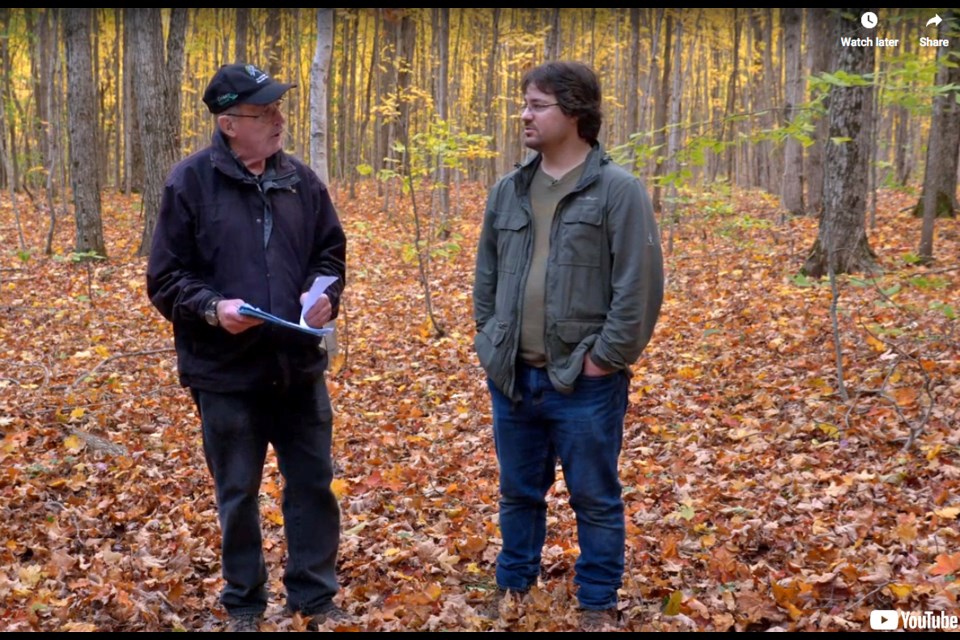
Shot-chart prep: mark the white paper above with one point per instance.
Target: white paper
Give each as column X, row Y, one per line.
column 319, row 287
column 249, row 310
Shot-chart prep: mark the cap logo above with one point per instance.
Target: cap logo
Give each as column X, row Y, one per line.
column 226, row 98
column 259, row 76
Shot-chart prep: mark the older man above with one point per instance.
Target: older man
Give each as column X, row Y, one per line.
column 243, row 222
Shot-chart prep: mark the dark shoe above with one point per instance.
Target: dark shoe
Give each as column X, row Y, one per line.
column 599, row 619
column 501, row 600
column 330, row 615
column 244, row 623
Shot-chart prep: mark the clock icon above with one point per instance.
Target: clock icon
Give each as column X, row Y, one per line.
column 869, row 20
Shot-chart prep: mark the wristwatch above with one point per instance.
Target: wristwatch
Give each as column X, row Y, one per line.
column 210, row 314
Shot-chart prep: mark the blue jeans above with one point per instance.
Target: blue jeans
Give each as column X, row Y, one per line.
column 585, row 431
column 298, row 422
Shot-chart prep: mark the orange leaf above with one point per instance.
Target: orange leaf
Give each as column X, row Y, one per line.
column 906, row 528
column 784, row 595
column 434, row 591
column 946, row 565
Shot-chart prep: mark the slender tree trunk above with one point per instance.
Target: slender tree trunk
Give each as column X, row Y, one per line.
column 273, row 46
column 240, row 31
column 792, row 178
column 660, row 116
column 489, row 93
column 340, row 120
column 319, row 141
column 551, row 48
column 841, row 245
column 134, row 172
column 405, row 64
column 319, row 77
column 443, row 46
column 5, row 135
column 154, row 89
column 650, row 92
column 117, row 101
column 101, row 150
column 818, row 56
column 939, row 198
column 772, row 160
column 365, row 118
column 50, row 63
column 176, row 58
column 727, row 128
column 633, row 76
column 673, row 139
column 454, row 97
column 37, row 23
column 351, row 93
column 81, row 109
column 11, row 168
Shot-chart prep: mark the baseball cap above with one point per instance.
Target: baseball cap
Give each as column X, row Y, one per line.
column 234, row 84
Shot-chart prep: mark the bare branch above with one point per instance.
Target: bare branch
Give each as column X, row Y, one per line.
column 116, row 357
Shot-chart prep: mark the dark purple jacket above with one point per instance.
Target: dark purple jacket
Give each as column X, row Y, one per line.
column 223, row 232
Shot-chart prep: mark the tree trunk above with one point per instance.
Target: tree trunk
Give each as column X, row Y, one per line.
column 319, row 76
column 633, row 77
column 841, row 245
column 133, row 160
column 39, row 65
column 727, row 128
column 81, row 110
column 489, row 93
column 240, row 31
column 903, row 138
column 153, row 88
column 939, row 198
column 406, row 44
column 11, row 169
column 792, row 178
column 117, row 100
column 371, row 74
column 352, row 153
column 654, row 65
column 660, row 115
column 551, row 48
column 818, row 56
column 443, row 53
column 50, row 64
column 273, row 47
column 176, row 58
column 6, row 153
column 340, row 120
column 673, row 139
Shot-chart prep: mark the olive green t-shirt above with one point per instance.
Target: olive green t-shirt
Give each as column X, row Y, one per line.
column 545, row 195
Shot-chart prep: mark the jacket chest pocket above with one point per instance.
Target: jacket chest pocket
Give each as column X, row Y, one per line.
column 511, row 241
column 581, row 238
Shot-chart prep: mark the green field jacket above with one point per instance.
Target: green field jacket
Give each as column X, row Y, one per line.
column 604, row 274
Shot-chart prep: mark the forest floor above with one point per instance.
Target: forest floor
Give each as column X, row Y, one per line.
column 757, row 497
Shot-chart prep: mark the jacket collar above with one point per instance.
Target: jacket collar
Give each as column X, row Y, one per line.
column 224, row 160
column 591, row 169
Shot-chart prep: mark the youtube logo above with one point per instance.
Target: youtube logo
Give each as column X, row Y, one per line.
column 884, row 619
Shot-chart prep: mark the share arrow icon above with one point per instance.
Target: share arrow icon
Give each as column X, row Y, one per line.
column 935, row 20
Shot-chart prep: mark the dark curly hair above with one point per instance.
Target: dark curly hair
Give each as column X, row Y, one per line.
column 576, row 89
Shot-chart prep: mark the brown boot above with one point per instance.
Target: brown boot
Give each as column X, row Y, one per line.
column 501, row 599
column 330, row 615
column 599, row 619
column 244, row 623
